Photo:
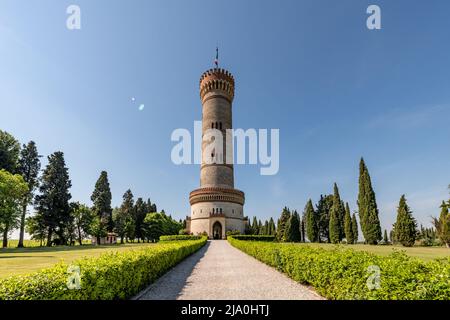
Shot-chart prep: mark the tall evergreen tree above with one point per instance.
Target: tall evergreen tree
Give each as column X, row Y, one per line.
column 282, row 222
column 266, row 228
column 260, row 228
column 405, row 228
column 255, row 228
column 123, row 219
column 349, row 236
column 385, row 237
column 355, row 228
column 303, row 229
column 272, row 228
column 312, row 223
column 335, row 217
column 29, row 166
column 101, row 197
column 367, row 205
column 292, row 230
column 9, row 152
column 323, row 211
column 53, row 199
column 140, row 212
column 442, row 224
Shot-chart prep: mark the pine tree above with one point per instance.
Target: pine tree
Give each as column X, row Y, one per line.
column 385, row 238
column 349, row 236
column 335, row 217
column 312, row 225
column 292, row 230
column 282, row 222
column 355, row 228
column 405, row 228
column 367, row 205
column 53, row 201
column 101, row 197
column 29, row 166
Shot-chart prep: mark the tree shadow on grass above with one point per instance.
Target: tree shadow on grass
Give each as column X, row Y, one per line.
column 171, row 284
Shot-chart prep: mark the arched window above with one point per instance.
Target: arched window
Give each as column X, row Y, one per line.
column 220, row 210
column 212, row 125
column 217, row 125
column 220, row 124
column 213, row 211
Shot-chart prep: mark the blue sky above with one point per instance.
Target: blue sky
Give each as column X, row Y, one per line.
column 336, row 90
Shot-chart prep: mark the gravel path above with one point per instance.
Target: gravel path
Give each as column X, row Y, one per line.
column 220, row 271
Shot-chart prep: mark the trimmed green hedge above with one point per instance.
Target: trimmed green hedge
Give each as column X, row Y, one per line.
column 341, row 273
column 179, row 237
column 113, row 275
column 253, row 237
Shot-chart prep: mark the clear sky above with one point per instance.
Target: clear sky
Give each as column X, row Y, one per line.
column 336, row 90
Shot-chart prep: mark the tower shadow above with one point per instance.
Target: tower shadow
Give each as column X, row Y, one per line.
column 170, row 285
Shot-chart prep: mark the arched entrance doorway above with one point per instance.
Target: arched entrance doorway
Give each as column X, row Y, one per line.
column 217, row 230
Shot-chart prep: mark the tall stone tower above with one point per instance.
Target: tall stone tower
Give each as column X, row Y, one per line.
column 216, row 207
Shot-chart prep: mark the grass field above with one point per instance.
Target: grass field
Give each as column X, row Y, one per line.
column 34, row 243
column 424, row 253
column 25, row 260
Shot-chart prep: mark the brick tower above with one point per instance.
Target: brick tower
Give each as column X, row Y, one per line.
column 216, row 207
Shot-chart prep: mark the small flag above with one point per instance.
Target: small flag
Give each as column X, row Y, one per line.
column 216, row 61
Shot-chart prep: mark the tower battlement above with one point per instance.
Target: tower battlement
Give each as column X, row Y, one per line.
column 217, row 79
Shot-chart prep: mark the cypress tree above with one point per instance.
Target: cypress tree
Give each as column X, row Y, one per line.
column 29, row 166
column 349, row 236
column 255, row 229
column 282, row 222
column 312, row 223
column 323, row 212
column 385, row 238
column 302, row 229
column 367, row 205
column 101, row 197
column 266, row 228
column 405, row 228
column 272, row 229
column 442, row 225
column 354, row 228
column 335, row 218
column 292, row 231
column 260, row 228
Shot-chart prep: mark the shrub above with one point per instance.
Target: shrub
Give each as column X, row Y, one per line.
column 179, row 237
column 113, row 275
column 344, row 273
column 251, row 237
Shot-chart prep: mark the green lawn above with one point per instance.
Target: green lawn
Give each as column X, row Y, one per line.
column 25, row 260
column 424, row 253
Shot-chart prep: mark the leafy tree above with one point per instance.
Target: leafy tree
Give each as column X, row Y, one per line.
column 82, row 220
column 367, row 205
column 405, row 228
column 349, row 236
column 355, row 228
column 159, row 224
column 98, row 228
column 35, row 226
column 101, row 197
column 323, row 211
column 29, row 166
column 292, row 231
column 124, row 216
column 12, row 190
column 312, row 223
column 282, row 222
column 442, row 225
column 9, row 152
column 53, row 201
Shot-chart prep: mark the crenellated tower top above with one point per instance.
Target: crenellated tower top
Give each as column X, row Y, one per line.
column 219, row 81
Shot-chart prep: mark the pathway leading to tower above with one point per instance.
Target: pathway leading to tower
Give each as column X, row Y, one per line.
column 220, row 271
